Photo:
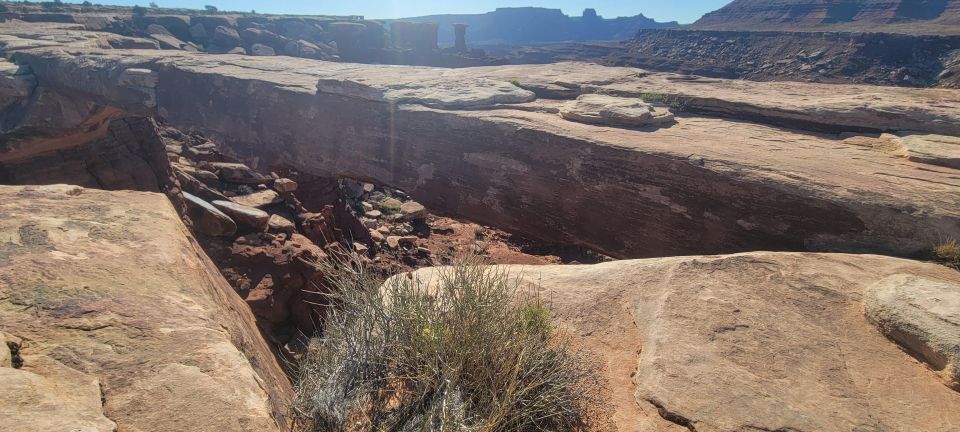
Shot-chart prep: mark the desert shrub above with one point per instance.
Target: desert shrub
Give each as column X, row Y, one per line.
column 473, row 353
column 948, row 252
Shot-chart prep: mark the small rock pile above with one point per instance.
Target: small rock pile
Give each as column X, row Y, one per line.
column 265, row 239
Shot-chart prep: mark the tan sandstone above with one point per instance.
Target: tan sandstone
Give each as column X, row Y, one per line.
column 125, row 323
column 755, row 341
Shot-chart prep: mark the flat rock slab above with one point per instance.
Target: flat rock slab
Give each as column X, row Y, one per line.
column 931, row 149
column 125, row 324
column 756, row 341
column 923, row 316
column 615, row 111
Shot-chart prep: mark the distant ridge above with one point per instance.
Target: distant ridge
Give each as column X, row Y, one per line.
column 928, row 17
column 535, row 25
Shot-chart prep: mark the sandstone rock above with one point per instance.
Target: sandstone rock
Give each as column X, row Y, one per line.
column 130, row 325
column 6, row 357
column 225, row 37
column 281, row 224
column 207, row 219
column 198, row 32
column 166, row 39
column 237, row 51
column 394, row 242
column 757, row 341
column 305, row 49
column 923, row 316
column 377, row 236
column 254, row 36
column 260, row 199
column 243, row 215
column 691, row 189
column 390, row 205
column 375, row 214
column 412, row 210
column 208, row 178
column 615, row 111
column 930, row 149
column 284, row 185
column 49, row 396
column 197, row 188
column 261, row 50
column 239, row 173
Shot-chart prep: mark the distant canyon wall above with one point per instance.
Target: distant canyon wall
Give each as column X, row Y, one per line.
column 531, row 25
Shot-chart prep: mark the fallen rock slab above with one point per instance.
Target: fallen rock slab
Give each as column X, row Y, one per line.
column 615, row 111
column 249, row 217
column 125, row 323
column 923, row 316
column 930, row 149
column 757, row 341
column 259, row 199
column 238, row 173
column 207, row 219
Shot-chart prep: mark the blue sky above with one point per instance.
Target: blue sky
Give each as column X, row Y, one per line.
column 685, row 11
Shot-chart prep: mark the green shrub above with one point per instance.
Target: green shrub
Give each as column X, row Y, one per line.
column 948, row 253
column 473, row 353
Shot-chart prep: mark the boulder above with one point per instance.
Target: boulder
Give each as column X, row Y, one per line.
column 755, row 341
column 615, row 111
column 923, row 316
column 305, row 49
column 165, row 38
column 246, row 216
column 207, row 219
column 260, row 199
column 239, row 173
column 284, row 185
column 252, row 36
column 225, row 38
column 261, row 50
column 198, row 32
column 279, row 223
column 197, row 188
column 125, row 323
column 412, row 210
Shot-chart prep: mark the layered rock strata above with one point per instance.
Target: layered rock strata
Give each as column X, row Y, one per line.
column 489, row 143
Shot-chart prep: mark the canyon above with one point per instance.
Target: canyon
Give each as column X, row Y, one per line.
column 740, row 254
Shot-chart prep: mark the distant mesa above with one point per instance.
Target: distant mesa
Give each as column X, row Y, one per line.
column 511, row 26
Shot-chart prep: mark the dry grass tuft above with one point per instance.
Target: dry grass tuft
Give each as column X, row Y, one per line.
column 473, row 353
column 948, row 253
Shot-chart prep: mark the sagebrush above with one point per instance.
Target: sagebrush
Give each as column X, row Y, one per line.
column 471, row 351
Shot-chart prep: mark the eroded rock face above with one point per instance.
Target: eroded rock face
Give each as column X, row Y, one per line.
column 702, row 185
column 125, row 324
column 757, row 341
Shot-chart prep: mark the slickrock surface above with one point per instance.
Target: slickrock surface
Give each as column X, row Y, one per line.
column 122, row 321
column 757, row 341
column 490, row 143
